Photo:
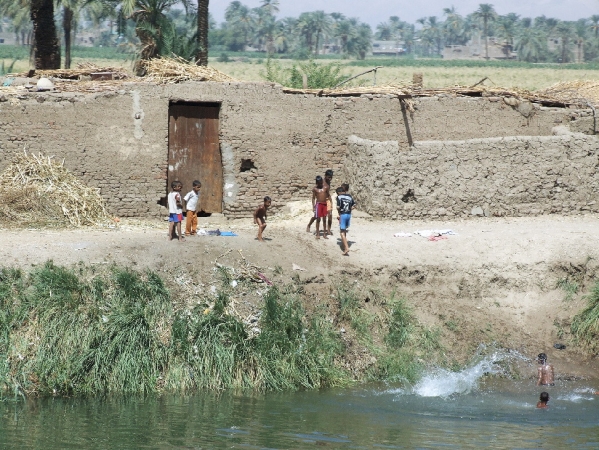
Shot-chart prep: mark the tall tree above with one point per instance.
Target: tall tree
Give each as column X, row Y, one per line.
column 241, row 21
column 580, row 36
column 564, row 31
column 506, row 29
column 46, row 47
column 203, row 25
column 530, row 43
column 270, row 6
column 321, row 22
column 595, row 25
column 486, row 13
column 454, row 26
column 384, row 31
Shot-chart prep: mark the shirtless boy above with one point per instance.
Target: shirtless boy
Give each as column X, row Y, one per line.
column 260, row 216
column 543, row 400
column 328, row 177
column 545, row 371
column 320, row 194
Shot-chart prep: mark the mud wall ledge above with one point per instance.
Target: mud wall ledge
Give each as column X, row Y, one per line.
column 503, row 176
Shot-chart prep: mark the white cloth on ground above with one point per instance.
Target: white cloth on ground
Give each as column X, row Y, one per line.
column 429, row 233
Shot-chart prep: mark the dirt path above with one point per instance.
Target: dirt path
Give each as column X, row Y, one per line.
column 495, row 280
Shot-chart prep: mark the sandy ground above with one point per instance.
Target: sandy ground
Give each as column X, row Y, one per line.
column 495, row 280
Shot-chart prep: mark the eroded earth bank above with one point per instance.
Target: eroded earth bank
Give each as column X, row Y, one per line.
column 514, row 283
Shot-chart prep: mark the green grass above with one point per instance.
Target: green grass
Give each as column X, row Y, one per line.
column 407, row 346
column 82, row 331
column 438, row 62
column 20, row 52
column 70, row 331
column 570, row 288
column 585, row 325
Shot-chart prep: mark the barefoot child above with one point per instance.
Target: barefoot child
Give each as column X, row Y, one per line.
column 320, row 194
column 175, row 210
column 345, row 204
column 191, row 205
column 328, row 177
column 260, row 216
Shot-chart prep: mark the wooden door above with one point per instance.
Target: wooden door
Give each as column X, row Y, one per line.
column 194, row 151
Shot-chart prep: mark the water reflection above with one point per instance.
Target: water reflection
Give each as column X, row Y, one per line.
column 498, row 414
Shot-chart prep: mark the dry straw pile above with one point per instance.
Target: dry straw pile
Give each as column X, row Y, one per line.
column 85, row 69
column 37, row 191
column 176, row 70
column 581, row 91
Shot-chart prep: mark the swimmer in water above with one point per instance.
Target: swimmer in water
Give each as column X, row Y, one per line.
column 543, row 400
column 545, row 371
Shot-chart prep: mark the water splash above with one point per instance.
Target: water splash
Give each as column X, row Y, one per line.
column 443, row 383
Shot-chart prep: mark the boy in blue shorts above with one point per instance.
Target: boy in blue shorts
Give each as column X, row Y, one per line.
column 175, row 211
column 345, row 204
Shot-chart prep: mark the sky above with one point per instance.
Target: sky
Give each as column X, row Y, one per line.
column 374, row 12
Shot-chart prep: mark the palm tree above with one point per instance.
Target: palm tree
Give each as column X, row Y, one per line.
column 595, row 25
column 270, row 6
column 242, row 20
column 580, row 34
column 150, row 17
column 345, row 30
column 530, row 44
column 506, row 30
column 203, row 25
column 407, row 36
column 486, row 13
column 70, row 11
column 564, row 31
column 384, row 31
column 18, row 13
column 312, row 26
column 454, row 26
column 321, row 22
column 266, row 26
column 46, row 48
column 361, row 43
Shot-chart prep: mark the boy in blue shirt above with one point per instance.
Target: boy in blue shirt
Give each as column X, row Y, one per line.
column 345, row 204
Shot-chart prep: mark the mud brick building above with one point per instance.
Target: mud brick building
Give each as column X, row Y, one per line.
column 248, row 140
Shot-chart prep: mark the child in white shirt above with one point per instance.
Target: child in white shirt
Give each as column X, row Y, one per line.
column 175, row 211
column 191, row 205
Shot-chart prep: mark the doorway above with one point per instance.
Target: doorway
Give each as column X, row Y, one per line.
column 194, row 151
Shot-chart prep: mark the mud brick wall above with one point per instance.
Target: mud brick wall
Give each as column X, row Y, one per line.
column 511, row 176
column 118, row 141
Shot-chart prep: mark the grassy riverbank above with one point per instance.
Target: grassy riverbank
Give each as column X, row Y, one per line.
column 78, row 331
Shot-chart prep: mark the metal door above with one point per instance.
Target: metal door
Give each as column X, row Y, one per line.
column 194, row 151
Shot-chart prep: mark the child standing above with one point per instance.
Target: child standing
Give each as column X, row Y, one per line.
column 345, row 204
column 191, row 205
column 320, row 194
column 175, row 211
column 260, row 216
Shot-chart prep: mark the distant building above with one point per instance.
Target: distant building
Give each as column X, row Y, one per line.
column 387, row 48
column 475, row 49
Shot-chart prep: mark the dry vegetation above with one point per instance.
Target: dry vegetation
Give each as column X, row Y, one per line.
column 531, row 79
column 38, row 191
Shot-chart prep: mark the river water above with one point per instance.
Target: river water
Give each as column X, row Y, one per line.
column 444, row 410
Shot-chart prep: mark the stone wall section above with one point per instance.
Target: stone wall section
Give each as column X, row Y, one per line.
column 118, row 141
column 511, row 176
